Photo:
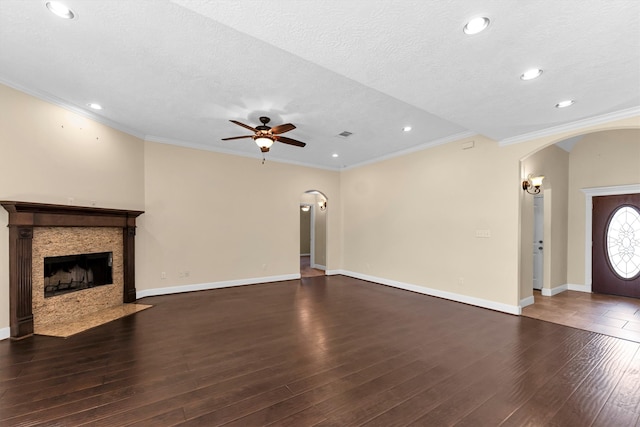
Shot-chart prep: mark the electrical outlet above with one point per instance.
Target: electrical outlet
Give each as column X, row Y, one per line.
column 460, row 281
column 163, row 275
column 180, row 274
column 483, row 234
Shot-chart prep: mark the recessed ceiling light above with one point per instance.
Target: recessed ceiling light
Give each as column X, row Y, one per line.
column 334, row 155
column 95, row 106
column 476, row 25
column 406, row 128
column 531, row 74
column 60, row 10
column 566, row 103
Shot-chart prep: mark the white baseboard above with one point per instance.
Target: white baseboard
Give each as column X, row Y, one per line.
column 332, row 272
column 580, row 288
column 5, row 333
column 214, row 285
column 527, row 301
column 319, row 267
column 549, row 292
column 479, row 302
column 305, row 254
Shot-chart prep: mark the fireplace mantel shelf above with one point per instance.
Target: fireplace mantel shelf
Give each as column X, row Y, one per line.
column 47, row 215
column 24, row 217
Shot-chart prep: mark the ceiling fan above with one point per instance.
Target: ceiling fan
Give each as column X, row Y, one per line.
column 265, row 136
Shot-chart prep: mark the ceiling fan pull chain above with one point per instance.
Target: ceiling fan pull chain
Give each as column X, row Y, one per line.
column 263, row 158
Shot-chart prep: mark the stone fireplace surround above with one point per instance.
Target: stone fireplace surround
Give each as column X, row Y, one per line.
column 25, row 218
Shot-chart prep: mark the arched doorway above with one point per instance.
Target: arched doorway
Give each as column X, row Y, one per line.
column 313, row 233
column 576, row 170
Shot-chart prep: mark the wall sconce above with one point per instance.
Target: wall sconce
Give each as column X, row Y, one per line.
column 305, row 208
column 534, row 182
column 322, row 205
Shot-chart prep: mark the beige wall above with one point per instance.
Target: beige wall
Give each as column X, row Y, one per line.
column 305, row 232
column 600, row 159
column 413, row 219
column 221, row 217
column 320, row 234
column 48, row 154
column 553, row 163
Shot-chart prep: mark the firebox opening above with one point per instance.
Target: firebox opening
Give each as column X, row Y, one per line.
column 70, row 273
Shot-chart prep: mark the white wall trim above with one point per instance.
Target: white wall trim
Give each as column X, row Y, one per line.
column 305, row 254
column 214, row 285
column 319, row 267
column 5, row 333
column 479, row 302
column 577, row 125
column 590, row 193
column 333, row 272
column 527, row 301
column 579, row 288
column 549, row 292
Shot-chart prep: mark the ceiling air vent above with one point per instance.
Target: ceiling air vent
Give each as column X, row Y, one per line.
column 345, row 134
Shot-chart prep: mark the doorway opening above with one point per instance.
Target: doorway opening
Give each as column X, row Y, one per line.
column 313, row 233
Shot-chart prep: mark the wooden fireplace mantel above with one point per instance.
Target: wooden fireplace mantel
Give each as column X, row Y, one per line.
column 24, row 216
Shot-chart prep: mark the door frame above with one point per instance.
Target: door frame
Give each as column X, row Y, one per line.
column 590, row 193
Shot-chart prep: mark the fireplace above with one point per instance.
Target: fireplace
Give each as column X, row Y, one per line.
column 72, row 273
column 40, row 231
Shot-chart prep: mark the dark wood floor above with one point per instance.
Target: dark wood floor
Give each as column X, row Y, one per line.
column 606, row 314
column 305, row 267
column 329, row 351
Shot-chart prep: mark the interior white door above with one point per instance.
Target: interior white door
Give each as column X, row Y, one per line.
column 538, row 244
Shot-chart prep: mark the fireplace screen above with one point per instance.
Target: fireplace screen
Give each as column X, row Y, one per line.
column 70, row 273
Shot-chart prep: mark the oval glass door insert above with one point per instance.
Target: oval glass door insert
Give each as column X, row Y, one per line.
column 623, row 242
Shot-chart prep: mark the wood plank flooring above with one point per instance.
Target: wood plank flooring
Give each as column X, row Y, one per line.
column 325, row 351
column 305, row 267
column 606, row 314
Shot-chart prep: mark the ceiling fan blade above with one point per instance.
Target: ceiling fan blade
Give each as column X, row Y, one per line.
column 282, row 128
column 244, row 126
column 237, row 137
column 290, row 141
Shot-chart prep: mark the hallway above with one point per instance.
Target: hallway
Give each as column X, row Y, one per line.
column 305, row 268
column 606, row 314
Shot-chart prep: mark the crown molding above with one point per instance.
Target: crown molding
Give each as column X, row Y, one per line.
column 430, row 144
column 204, row 147
column 52, row 99
column 579, row 124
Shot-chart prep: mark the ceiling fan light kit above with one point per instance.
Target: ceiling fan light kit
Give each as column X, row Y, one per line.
column 263, row 142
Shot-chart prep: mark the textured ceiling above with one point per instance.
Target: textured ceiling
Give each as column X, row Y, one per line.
column 178, row 71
